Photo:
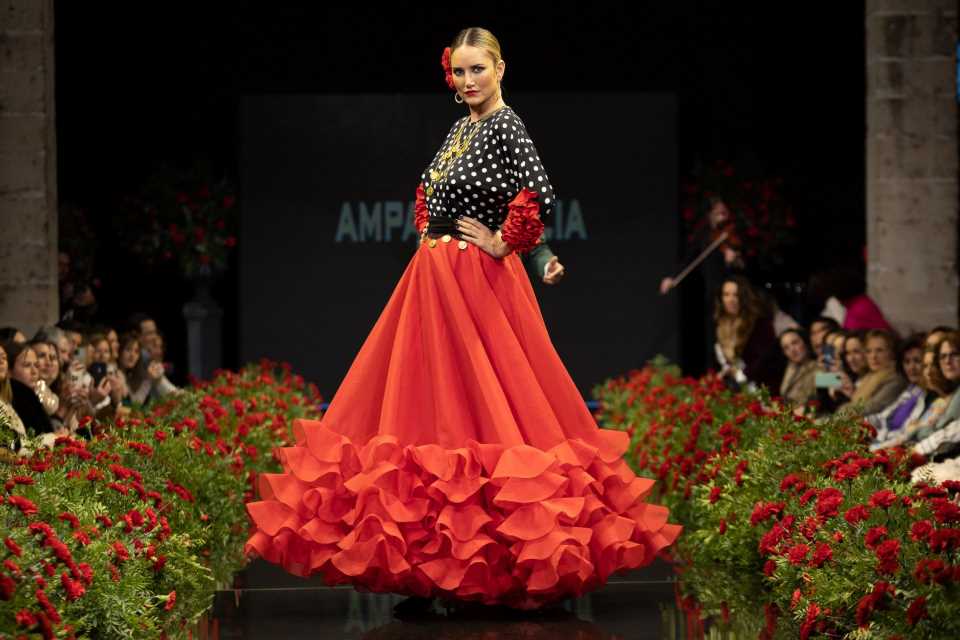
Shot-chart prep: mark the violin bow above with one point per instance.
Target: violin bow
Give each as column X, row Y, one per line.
column 700, row 258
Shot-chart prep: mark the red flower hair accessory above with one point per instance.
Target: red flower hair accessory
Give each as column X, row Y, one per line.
column 447, row 70
column 522, row 228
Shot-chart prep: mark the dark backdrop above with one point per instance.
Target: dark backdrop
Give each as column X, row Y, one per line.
column 759, row 84
column 329, row 179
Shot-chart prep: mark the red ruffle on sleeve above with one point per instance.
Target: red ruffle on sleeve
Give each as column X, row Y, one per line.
column 420, row 214
column 522, row 228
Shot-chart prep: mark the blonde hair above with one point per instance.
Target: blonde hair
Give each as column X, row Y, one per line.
column 480, row 38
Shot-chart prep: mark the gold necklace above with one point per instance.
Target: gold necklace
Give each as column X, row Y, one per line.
column 456, row 149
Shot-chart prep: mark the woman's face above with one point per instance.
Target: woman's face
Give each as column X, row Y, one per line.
column 793, row 348
column 913, row 365
column 730, row 298
column 475, row 76
column 929, row 368
column 65, row 347
column 818, row 331
column 114, row 345
column 101, row 351
column 4, row 367
column 48, row 362
column 949, row 361
column 854, row 353
column 25, row 368
column 879, row 355
column 129, row 355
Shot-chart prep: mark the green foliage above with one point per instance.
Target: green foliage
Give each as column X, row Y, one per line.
column 777, row 510
column 129, row 534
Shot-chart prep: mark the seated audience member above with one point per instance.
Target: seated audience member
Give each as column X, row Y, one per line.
column 114, row 341
column 11, row 441
column 819, row 329
column 144, row 384
column 942, row 440
column 936, row 404
column 746, row 345
column 936, row 335
column 24, row 375
column 48, row 366
column 12, row 334
column 797, row 387
column 854, row 366
column 881, row 383
column 59, row 337
column 891, row 419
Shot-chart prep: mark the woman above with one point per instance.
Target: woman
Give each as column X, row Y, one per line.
column 881, row 383
column 934, row 414
column 943, row 438
column 798, row 386
column 48, row 366
column 14, row 432
column 24, row 375
column 891, row 419
column 746, row 344
column 457, row 459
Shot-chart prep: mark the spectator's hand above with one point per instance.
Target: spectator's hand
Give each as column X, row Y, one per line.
column 155, row 370
column 846, row 385
column 101, row 391
column 554, row 271
column 665, row 285
column 118, row 387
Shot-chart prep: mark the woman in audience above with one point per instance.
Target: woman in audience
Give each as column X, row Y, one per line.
column 48, row 366
column 114, row 341
column 941, row 440
column 892, row 418
column 935, row 404
column 144, row 383
column 797, row 387
column 8, row 415
column 24, row 375
column 59, row 337
column 881, row 383
column 746, row 344
column 819, row 329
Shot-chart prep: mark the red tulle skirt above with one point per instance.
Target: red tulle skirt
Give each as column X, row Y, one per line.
column 457, row 459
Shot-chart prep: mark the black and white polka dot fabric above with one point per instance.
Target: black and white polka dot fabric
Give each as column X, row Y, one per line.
column 500, row 161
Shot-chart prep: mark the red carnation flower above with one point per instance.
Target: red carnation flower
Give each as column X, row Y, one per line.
column 723, row 526
column 797, row 554
column 883, row 498
column 921, row 530
column 13, row 547
column 917, row 611
column 874, row 536
column 171, row 601
column 821, row 554
column 7, row 587
column 859, row 513
column 73, row 588
column 121, row 551
column 828, row 502
column 715, row 493
column 769, row 567
column 887, row 552
column 25, row 619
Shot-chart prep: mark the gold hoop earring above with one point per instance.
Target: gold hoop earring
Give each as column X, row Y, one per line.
column 457, row 98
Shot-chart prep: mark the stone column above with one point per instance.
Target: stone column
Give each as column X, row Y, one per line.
column 912, row 161
column 28, row 166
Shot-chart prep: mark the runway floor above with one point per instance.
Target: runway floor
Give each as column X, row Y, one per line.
column 271, row 604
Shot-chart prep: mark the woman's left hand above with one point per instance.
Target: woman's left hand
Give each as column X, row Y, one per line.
column 477, row 233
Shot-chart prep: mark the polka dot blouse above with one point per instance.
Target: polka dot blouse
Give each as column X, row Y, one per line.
column 480, row 182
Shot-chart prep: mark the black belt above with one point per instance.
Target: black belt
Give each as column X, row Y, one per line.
column 442, row 225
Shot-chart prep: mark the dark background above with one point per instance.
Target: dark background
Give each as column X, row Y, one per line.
column 777, row 90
